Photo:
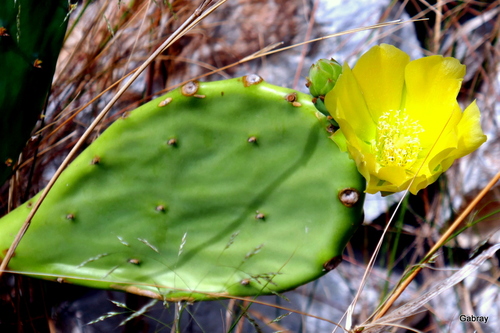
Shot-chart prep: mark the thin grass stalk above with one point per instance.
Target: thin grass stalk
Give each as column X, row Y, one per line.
column 437, row 26
column 394, row 244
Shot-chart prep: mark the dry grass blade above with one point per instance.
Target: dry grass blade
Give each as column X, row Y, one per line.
column 260, row 53
column 351, row 31
column 469, row 26
column 201, row 12
column 273, row 48
column 412, row 307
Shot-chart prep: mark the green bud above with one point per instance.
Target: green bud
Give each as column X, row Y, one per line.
column 322, row 76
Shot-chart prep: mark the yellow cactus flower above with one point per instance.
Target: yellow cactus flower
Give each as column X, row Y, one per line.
column 400, row 119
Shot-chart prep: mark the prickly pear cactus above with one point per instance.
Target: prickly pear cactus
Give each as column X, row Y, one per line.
column 31, row 36
column 224, row 188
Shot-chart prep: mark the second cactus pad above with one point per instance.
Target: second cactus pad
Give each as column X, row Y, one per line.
column 224, row 188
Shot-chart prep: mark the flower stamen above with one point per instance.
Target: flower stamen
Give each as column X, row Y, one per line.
column 397, row 141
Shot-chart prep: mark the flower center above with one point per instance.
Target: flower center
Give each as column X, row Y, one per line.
column 397, row 142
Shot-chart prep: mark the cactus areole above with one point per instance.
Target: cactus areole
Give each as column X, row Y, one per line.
column 215, row 189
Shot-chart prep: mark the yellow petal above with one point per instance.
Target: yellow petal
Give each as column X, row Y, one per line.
column 355, row 139
column 466, row 137
column 422, row 182
column 442, row 142
column 380, row 73
column 394, row 175
column 470, row 134
column 346, row 101
column 435, row 163
column 432, row 86
column 377, row 185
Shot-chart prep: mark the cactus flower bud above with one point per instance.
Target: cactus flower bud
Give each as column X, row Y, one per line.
column 322, row 76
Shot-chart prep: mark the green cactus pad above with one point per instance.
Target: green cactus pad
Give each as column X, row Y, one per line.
column 31, row 36
column 224, row 188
